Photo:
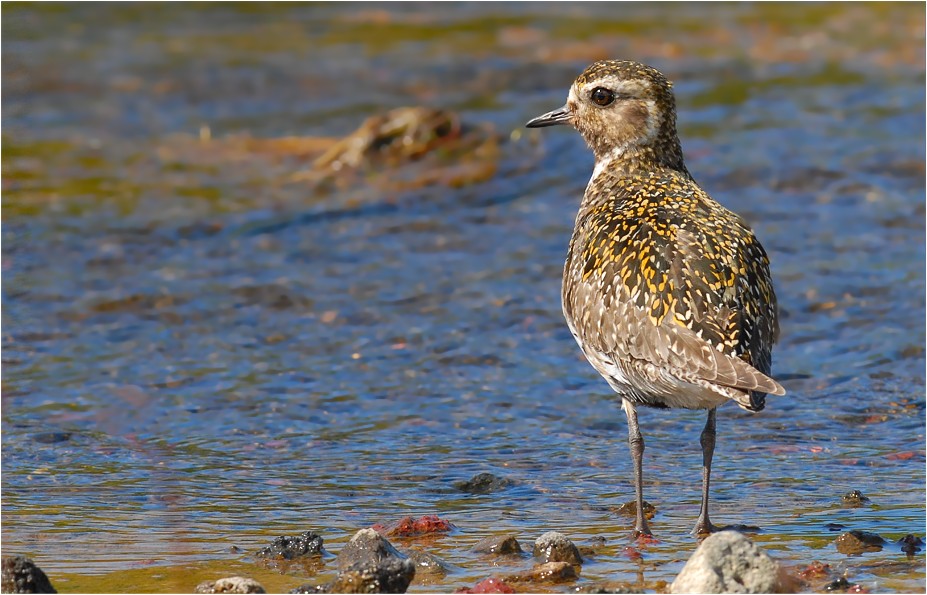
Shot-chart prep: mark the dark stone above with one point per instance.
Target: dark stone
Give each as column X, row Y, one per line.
column 911, row 544
column 500, row 545
column 555, row 547
column 605, row 588
column 857, row 542
column 232, row 584
column 367, row 546
column 290, row 548
column 592, row 546
column 486, row 586
column 391, row 575
column 483, row 483
column 550, row 572
column 21, row 575
column 427, row 564
column 840, row 584
column 835, row 527
column 630, row 509
column 51, row 437
column 854, row 498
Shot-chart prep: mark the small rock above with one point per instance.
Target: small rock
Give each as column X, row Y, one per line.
column 391, row 575
column 728, row 562
column 367, row 546
column 489, row 585
column 51, row 437
column 21, row 575
column 592, row 546
column 911, row 544
column 556, row 547
column 232, row 584
column 815, row 570
column 854, row 498
column 408, row 526
column 605, row 588
column 290, row 548
column 835, row 527
column 630, row 509
column 843, row 585
column 483, row 483
column 500, row 545
column 426, row 564
column 857, row 542
column 551, row 572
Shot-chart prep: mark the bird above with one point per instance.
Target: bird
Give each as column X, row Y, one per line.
column 667, row 292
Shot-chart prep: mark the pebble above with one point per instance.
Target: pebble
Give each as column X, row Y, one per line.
column 426, row 564
column 501, row 545
column 556, row 547
column 232, row 584
column 367, row 546
column 911, row 544
column 550, row 572
column 630, row 509
column 857, row 542
column 483, row 483
column 489, row 585
column 308, row 543
column 390, row 575
column 854, row 498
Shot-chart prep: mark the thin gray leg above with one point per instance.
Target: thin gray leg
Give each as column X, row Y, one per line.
column 703, row 526
column 636, row 442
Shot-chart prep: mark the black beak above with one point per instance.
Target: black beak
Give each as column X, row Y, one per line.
column 558, row 116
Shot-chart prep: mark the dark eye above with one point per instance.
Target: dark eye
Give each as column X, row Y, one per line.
column 602, row 96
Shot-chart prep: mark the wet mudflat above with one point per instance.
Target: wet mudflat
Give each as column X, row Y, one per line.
column 220, row 326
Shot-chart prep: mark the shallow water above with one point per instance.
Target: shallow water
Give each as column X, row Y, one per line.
column 202, row 351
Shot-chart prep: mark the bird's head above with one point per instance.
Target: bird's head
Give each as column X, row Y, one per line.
column 624, row 110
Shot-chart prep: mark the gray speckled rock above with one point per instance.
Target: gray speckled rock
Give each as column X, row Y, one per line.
column 21, row 575
column 556, row 547
column 366, row 546
column 232, row 584
column 728, row 562
column 391, row 575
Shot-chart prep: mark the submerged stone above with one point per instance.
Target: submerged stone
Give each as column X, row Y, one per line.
column 857, row 542
column 483, row 483
column 630, row 509
column 501, row 545
column 854, row 498
column 308, row 543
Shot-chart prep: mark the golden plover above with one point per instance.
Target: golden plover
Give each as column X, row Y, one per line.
column 667, row 292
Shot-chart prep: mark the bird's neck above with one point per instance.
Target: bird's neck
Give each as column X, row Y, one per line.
column 633, row 159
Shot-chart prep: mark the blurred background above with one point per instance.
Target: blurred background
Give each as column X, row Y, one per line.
column 246, row 293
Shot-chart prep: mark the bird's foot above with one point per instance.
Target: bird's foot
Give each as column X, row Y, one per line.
column 644, row 539
column 641, row 532
column 704, row 528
